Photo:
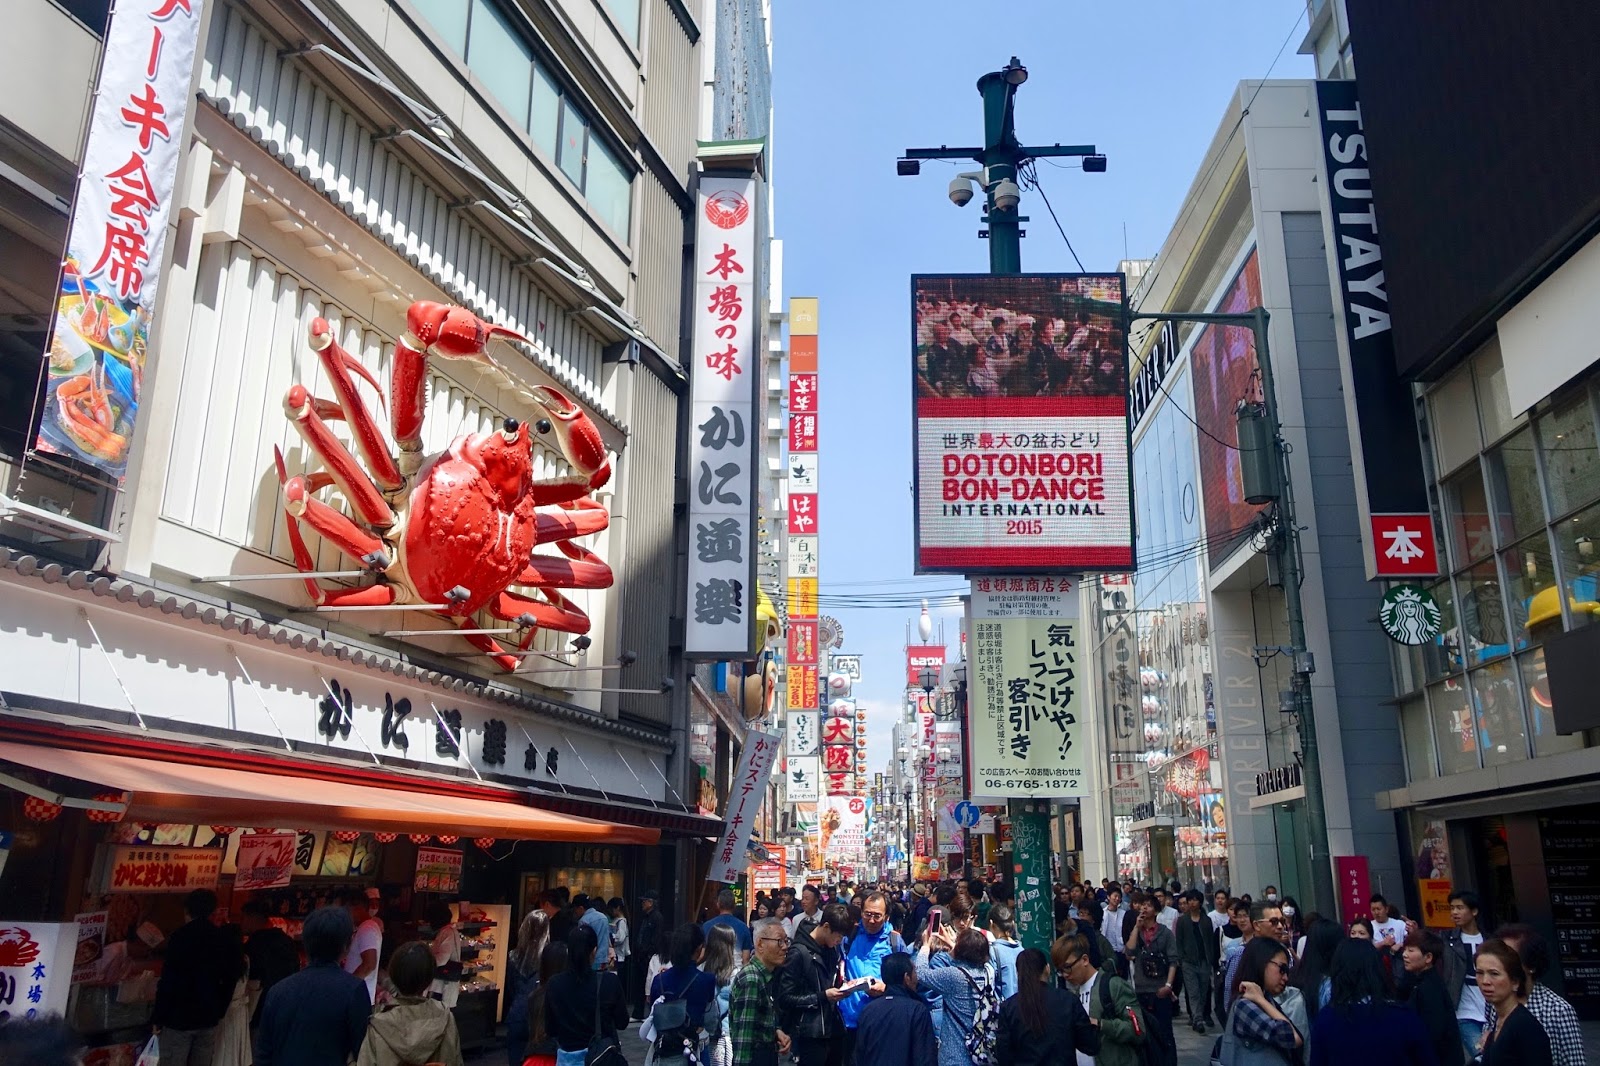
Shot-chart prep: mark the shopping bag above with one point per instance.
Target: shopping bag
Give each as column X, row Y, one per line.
column 151, row 1055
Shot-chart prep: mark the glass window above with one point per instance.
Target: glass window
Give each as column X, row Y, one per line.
column 1578, row 540
column 1452, row 727
column 1571, row 462
column 608, row 188
column 1514, row 479
column 1483, row 615
column 1546, row 741
column 1531, row 575
column 544, row 121
column 626, row 12
column 1494, row 402
column 1419, row 740
column 1467, row 516
column 1497, row 707
column 448, row 19
column 1443, row 656
column 1453, row 420
column 501, row 59
column 574, row 132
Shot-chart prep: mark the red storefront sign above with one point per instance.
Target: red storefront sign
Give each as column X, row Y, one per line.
column 1355, row 886
column 1403, row 545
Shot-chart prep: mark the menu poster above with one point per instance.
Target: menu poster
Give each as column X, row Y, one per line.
column 264, row 860
column 438, row 870
column 1571, row 843
column 91, row 944
column 135, row 868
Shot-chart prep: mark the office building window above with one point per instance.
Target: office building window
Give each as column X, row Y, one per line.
column 501, row 59
column 626, row 13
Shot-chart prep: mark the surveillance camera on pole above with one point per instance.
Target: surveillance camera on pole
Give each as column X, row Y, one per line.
column 961, row 190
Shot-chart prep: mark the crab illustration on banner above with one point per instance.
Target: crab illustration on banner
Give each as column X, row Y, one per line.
column 455, row 530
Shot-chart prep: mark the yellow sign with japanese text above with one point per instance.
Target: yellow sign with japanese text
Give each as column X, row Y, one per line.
column 802, row 597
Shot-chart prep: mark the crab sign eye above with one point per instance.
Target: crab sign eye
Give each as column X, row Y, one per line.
column 509, row 432
column 543, row 425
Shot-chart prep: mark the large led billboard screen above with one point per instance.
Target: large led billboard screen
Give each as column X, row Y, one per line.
column 1020, row 423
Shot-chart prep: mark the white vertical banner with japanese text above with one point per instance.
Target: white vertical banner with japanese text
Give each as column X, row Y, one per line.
column 745, row 795
column 116, row 247
column 725, row 431
column 1027, row 729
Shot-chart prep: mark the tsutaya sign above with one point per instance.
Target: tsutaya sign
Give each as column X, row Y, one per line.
column 116, row 248
column 725, row 432
column 1391, row 489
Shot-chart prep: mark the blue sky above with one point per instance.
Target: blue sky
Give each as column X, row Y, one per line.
column 854, row 84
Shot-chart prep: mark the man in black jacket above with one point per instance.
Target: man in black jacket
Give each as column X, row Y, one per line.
column 318, row 1017
column 1197, row 954
column 646, row 939
column 808, row 994
column 272, row 954
column 199, row 968
column 896, row 1028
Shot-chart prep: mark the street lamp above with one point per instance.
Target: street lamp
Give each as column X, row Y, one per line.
column 907, row 810
column 928, row 678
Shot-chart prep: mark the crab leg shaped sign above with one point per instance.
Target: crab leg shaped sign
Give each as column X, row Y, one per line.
column 455, row 529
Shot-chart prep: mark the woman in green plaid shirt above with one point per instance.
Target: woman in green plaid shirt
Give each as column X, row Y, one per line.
column 752, row 1017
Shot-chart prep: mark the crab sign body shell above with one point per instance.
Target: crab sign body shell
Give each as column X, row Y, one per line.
column 459, row 529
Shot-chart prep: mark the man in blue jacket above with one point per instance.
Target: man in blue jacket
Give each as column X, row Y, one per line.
column 874, row 941
column 896, row 1028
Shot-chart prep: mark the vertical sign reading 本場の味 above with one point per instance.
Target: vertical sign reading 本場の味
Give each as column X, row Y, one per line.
column 725, row 369
column 116, row 247
column 1020, row 423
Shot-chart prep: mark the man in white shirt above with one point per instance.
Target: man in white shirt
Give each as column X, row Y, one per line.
column 1116, row 921
column 1166, row 913
column 810, row 906
column 1388, row 932
column 1464, row 941
column 362, row 958
column 1219, row 909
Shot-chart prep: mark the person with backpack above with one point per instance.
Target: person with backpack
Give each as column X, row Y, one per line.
column 414, row 1028
column 1109, row 1001
column 1004, row 949
column 966, row 986
column 875, row 940
column 1042, row 1025
column 1152, row 953
column 808, row 991
column 584, row 1007
column 681, row 997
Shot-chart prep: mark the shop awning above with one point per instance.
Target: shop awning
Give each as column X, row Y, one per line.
column 183, row 793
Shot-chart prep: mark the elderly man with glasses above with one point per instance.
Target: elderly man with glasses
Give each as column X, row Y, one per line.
column 875, row 940
column 1266, row 920
column 752, row 1015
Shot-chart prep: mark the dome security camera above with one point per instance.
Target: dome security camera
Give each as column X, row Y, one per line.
column 1006, row 195
column 961, row 190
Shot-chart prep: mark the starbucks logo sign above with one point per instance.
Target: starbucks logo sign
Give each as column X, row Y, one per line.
column 1409, row 615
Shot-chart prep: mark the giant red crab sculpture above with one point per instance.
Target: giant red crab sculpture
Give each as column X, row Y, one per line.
column 457, row 529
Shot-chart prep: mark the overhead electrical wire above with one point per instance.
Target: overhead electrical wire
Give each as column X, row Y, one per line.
column 1030, row 178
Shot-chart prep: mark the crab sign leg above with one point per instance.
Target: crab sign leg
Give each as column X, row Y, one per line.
column 340, row 364
column 453, row 332
column 559, row 613
column 507, row 661
column 298, row 503
column 304, row 410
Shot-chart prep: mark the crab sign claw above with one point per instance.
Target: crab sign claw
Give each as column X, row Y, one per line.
column 453, row 332
column 580, row 441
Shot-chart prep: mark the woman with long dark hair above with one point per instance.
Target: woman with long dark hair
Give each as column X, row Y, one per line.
column 541, row 1045
column 1311, row 976
column 581, row 998
column 522, row 977
column 1259, row 1030
column 1361, row 1023
column 1042, row 1025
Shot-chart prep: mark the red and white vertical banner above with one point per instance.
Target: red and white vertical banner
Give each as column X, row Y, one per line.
column 745, row 795
column 725, row 437
column 116, row 247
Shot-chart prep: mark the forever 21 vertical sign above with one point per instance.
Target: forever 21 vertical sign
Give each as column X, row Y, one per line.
column 724, row 430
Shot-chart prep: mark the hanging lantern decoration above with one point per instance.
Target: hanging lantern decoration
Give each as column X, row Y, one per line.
column 224, row 830
column 449, row 838
column 259, row 830
column 39, row 810
column 386, row 838
column 107, row 817
column 347, row 836
column 484, row 842
column 420, row 838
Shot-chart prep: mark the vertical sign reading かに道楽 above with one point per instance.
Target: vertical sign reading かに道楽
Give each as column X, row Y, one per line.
column 725, row 371
column 117, row 244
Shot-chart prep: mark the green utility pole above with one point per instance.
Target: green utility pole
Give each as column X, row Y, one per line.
column 1001, row 157
column 1287, row 549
